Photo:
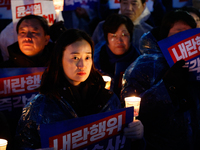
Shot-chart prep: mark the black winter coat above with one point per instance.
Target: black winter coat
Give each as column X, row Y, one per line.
column 17, row 59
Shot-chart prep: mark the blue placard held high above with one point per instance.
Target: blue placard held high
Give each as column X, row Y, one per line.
column 184, row 45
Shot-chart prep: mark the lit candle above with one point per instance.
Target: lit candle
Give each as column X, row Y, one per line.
column 133, row 101
column 58, row 5
column 3, row 144
column 107, row 79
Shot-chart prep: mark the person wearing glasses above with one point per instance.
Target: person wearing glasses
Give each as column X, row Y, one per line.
column 116, row 53
column 139, row 14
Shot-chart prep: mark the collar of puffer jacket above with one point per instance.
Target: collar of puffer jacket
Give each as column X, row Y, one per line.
column 143, row 17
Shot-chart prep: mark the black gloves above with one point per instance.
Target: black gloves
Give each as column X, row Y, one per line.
column 177, row 76
column 176, row 80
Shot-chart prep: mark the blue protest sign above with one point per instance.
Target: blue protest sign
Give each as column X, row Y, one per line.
column 103, row 130
column 184, row 45
column 17, row 86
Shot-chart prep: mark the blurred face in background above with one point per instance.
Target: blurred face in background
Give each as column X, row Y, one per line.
column 31, row 37
column 119, row 42
column 132, row 8
column 179, row 26
column 77, row 62
column 196, row 18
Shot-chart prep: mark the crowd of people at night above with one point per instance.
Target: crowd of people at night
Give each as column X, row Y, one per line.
column 121, row 43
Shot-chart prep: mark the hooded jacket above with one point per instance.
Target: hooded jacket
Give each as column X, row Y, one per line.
column 73, row 103
column 17, row 59
column 167, row 126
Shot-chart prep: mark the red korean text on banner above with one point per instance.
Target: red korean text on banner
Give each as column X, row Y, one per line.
column 5, row 3
column 90, row 133
column 49, row 18
column 186, row 49
column 21, row 84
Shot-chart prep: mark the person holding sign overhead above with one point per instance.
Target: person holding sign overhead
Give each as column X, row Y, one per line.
column 169, row 106
column 70, row 88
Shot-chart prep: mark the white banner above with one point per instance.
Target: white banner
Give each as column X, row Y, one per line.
column 21, row 8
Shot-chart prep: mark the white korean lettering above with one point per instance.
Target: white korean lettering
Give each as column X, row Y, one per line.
column 77, row 137
column 67, row 141
column 17, row 86
column 17, row 102
column 25, row 100
column 183, row 50
column 37, row 9
column 111, row 124
column 5, row 104
column 7, row 87
column 21, row 12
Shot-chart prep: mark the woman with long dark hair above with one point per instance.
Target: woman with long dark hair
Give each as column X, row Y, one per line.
column 70, row 88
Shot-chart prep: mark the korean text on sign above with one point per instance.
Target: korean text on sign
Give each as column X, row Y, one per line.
column 24, row 10
column 184, row 45
column 16, row 85
column 189, row 50
column 5, row 3
column 186, row 49
column 10, row 103
column 89, row 134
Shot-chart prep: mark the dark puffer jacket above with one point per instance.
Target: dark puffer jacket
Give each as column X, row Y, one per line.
column 166, row 125
column 73, row 102
column 17, row 59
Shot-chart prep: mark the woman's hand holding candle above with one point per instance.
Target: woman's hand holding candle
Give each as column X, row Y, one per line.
column 135, row 130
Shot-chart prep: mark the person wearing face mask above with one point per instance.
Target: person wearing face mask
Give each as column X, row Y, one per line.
column 71, row 87
column 114, row 55
column 33, row 48
column 138, row 12
column 169, row 106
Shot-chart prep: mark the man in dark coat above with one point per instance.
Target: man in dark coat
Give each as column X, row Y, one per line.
column 33, row 47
